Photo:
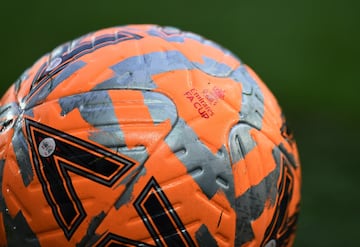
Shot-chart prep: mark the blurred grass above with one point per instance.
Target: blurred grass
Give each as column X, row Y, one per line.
column 306, row 51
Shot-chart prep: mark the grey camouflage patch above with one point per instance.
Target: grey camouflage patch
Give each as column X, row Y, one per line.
column 170, row 34
column 173, row 34
column 214, row 68
column 136, row 72
column 20, row 147
column 160, row 107
column 96, row 108
column 240, row 142
column 212, row 172
column 250, row 205
column 252, row 106
column 91, row 237
column 129, row 181
column 18, row 232
column 204, row 237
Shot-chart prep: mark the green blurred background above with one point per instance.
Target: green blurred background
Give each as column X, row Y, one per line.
column 307, row 52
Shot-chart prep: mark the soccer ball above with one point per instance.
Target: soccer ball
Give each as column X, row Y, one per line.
column 143, row 135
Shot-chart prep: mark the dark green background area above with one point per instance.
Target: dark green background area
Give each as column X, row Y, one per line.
column 306, row 51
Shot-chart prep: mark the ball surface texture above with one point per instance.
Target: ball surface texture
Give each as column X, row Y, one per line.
column 143, row 135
